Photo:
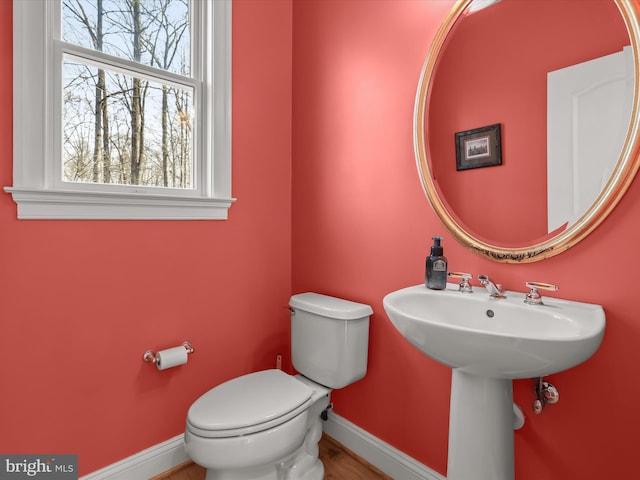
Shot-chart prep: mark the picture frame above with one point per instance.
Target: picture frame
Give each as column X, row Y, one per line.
column 480, row 147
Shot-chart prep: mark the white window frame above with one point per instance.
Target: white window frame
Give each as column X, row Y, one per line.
column 39, row 195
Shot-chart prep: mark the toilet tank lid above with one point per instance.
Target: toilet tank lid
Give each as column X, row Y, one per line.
column 328, row 306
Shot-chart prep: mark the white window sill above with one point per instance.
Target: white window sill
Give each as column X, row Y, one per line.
column 78, row 205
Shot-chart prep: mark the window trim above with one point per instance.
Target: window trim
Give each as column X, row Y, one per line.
column 34, row 111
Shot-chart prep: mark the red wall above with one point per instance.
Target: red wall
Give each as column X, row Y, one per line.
column 81, row 301
column 346, row 217
column 362, row 227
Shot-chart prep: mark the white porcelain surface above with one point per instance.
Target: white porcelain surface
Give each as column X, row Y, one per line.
column 330, row 307
column 499, row 338
column 263, row 450
column 266, row 425
column 329, row 338
column 231, row 409
column 288, row 450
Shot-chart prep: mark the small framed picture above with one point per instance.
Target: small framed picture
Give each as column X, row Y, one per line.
column 480, row 147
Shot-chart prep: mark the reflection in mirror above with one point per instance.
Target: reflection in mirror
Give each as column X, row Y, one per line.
column 588, row 114
column 492, row 67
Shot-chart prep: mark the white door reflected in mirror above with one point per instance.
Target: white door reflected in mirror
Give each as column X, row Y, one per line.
column 588, row 114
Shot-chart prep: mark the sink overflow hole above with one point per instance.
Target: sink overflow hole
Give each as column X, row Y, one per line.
column 490, row 313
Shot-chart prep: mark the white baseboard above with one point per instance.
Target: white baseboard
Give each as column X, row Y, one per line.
column 166, row 455
column 390, row 460
column 145, row 464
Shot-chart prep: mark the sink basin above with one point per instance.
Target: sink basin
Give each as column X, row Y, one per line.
column 500, row 338
column 488, row 342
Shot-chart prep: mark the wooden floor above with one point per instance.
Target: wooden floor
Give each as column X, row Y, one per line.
column 339, row 463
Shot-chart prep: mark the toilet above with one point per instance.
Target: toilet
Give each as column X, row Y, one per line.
column 266, row 425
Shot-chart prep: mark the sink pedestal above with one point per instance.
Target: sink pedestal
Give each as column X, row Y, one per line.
column 481, row 421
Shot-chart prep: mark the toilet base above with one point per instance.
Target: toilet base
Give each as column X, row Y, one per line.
column 306, row 464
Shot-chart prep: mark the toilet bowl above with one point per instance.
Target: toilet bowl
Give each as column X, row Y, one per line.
column 266, row 425
column 231, row 434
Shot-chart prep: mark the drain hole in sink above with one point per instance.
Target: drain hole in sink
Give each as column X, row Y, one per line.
column 490, row 313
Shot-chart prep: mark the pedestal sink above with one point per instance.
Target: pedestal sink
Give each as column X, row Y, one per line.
column 489, row 342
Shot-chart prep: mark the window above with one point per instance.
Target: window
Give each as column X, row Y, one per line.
column 122, row 109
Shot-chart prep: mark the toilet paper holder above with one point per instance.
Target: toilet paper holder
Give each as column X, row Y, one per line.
column 152, row 357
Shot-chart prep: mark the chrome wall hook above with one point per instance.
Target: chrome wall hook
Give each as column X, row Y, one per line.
column 546, row 393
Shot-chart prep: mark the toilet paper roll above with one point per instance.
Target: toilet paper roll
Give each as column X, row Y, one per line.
column 171, row 357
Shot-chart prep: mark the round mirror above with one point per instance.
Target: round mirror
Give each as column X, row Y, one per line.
column 522, row 145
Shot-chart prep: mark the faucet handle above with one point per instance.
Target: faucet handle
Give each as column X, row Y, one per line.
column 465, row 286
column 534, row 297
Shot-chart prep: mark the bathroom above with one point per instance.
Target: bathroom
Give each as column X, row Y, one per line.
column 329, row 201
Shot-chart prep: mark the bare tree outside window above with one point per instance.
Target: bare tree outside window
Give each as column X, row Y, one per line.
column 121, row 126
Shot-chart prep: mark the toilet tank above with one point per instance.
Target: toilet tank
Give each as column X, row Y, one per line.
column 329, row 338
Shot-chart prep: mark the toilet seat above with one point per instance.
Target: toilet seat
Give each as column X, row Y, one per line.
column 248, row 404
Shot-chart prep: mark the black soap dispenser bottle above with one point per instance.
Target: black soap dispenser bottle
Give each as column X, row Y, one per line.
column 436, row 267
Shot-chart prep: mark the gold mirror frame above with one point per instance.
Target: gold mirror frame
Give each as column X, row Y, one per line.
column 622, row 176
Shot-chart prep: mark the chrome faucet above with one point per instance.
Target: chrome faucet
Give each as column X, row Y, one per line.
column 495, row 290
